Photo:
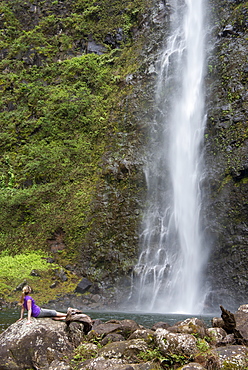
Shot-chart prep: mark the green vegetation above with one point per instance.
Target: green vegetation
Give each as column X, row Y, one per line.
column 167, row 362
column 16, row 269
column 202, row 345
column 60, row 110
column 84, row 352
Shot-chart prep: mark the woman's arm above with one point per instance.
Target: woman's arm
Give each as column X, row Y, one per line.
column 29, row 306
column 22, row 313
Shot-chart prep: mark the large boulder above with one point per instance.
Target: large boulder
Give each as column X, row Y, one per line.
column 123, row 327
column 35, row 345
column 118, row 355
column 114, row 364
column 83, row 286
column 236, row 324
column 193, row 366
column 217, row 335
column 190, row 326
column 233, row 357
column 176, row 343
column 241, row 329
column 74, row 315
column 146, row 334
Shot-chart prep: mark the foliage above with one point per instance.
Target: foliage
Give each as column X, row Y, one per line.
column 166, row 361
column 84, row 352
column 60, row 109
column 172, row 359
column 16, row 269
column 151, row 355
column 22, row 264
column 202, row 345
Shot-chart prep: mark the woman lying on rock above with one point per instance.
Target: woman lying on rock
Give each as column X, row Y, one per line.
column 28, row 303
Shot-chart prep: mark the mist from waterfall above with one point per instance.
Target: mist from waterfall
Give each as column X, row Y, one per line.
column 168, row 275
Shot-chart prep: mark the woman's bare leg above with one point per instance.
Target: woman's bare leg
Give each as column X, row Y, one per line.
column 60, row 316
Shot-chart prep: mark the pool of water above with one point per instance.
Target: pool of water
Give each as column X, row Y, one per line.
column 9, row 316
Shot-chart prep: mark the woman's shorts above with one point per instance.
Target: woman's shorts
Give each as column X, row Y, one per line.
column 47, row 313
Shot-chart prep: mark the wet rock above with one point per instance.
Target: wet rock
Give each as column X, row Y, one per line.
column 208, row 359
column 75, row 332
column 229, row 339
column 216, row 334
column 229, row 320
column 241, row 329
column 236, row 356
column 160, row 324
column 100, row 363
column 93, row 47
column 53, row 285
column 83, row 286
column 193, row 366
column 190, row 326
column 217, row 322
column 243, row 308
column 112, row 337
column 146, row 334
column 228, row 30
column 61, row 274
column 235, row 324
column 123, row 327
column 104, row 329
column 59, row 365
column 76, row 315
column 127, row 350
column 35, row 273
column 123, row 345
column 181, row 344
column 44, row 341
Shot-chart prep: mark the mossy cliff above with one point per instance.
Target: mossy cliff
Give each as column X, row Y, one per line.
column 227, row 153
column 77, row 90
column 72, row 105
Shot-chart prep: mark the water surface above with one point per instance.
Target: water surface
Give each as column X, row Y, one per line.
column 9, row 316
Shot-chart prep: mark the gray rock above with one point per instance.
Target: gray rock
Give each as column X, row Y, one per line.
column 177, row 343
column 236, row 356
column 241, row 329
column 26, row 346
column 193, row 366
column 83, row 286
column 190, row 326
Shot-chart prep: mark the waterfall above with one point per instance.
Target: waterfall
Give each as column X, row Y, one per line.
column 168, row 275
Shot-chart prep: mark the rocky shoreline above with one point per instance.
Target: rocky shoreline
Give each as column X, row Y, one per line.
column 82, row 344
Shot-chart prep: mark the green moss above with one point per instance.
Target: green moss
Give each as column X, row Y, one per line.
column 83, row 352
column 60, row 111
column 16, row 269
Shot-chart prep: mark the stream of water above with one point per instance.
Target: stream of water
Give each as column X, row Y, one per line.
column 168, row 275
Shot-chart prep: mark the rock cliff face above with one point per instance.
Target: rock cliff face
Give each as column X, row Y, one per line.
column 227, row 154
column 112, row 244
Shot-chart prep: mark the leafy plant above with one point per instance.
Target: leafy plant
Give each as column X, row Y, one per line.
column 84, row 352
column 202, row 345
column 172, row 359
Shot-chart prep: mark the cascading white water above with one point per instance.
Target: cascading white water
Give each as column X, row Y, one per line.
column 168, row 275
